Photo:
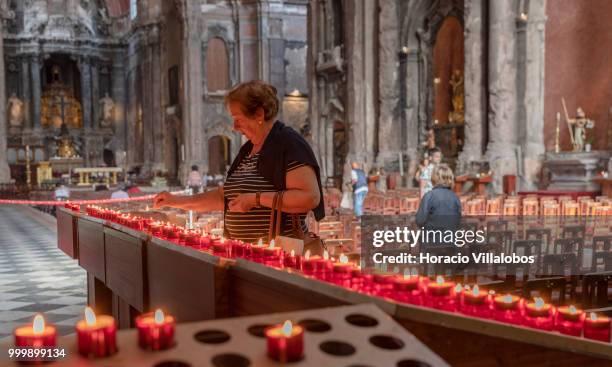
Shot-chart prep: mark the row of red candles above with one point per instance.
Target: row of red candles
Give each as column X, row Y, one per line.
column 97, row 336
column 412, row 289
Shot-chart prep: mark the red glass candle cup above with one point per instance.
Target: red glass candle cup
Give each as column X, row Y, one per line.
column 37, row 335
column 475, row 303
column 220, row 247
column 441, row 295
column 507, row 308
column 155, row 331
column 293, row 261
column 597, row 328
column 539, row 315
column 569, row 320
column 342, row 272
column 97, row 336
column 285, row 343
column 313, row 265
column 407, row 289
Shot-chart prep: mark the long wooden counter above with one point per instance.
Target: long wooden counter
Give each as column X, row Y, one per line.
column 195, row 285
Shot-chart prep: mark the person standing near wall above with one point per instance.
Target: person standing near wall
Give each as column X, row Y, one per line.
column 434, row 157
column 194, row 181
column 360, row 188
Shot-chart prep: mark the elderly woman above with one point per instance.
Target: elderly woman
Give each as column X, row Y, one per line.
column 275, row 158
column 440, row 208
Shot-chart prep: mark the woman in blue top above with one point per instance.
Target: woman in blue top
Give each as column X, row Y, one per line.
column 440, row 208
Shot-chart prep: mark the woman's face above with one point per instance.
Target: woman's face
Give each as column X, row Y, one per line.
column 247, row 126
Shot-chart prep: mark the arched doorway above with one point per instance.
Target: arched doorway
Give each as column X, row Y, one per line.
column 448, row 102
column 219, row 154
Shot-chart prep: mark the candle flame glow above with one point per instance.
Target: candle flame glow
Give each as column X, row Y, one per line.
column 326, row 255
column 260, row 242
column 90, row 316
column 572, row 309
column 271, row 245
column 343, row 259
column 406, row 273
column 475, row 290
column 507, row 298
column 539, row 303
column 593, row 316
column 287, row 328
column 159, row 317
column 458, row 288
column 440, row 279
column 292, row 253
column 307, row 254
column 38, row 326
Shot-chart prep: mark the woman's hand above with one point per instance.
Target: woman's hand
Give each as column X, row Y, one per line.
column 242, row 203
column 162, row 199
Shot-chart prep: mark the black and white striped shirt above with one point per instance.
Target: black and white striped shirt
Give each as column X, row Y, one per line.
column 254, row 224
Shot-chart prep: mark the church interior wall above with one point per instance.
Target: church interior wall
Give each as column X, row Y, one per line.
column 578, row 55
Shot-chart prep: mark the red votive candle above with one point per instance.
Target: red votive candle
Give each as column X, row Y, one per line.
column 257, row 251
column 37, row 335
column 406, row 288
column 293, row 261
column 96, row 335
column 597, row 327
column 312, row 264
column 475, row 303
column 285, row 342
column 569, row 320
column 539, row 315
column 342, row 270
column 440, row 295
column 205, row 241
column 220, row 247
column 272, row 254
column 155, row 330
column 507, row 308
column 192, row 239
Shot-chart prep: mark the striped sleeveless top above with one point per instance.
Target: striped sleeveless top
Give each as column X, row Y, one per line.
column 254, row 224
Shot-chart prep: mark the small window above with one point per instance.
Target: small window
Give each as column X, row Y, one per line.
column 133, row 9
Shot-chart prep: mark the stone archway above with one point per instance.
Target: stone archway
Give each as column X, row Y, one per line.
column 219, row 155
column 173, row 140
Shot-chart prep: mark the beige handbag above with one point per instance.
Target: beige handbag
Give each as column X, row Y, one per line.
column 300, row 242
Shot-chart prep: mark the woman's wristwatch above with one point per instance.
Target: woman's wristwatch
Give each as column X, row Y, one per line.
column 258, row 199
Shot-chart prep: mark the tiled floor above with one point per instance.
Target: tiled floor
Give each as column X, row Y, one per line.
column 35, row 276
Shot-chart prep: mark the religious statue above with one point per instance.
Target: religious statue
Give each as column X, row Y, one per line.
column 456, row 116
column 107, row 108
column 65, row 148
column 577, row 127
column 15, row 110
column 430, row 142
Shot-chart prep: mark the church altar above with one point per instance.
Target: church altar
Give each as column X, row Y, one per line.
column 109, row 173
column 65, row 165
column 575, row 171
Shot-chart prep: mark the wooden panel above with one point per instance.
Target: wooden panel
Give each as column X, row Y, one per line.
column 91, row 247
column 99, row 297
column 67, row 233
column 188, row 287
column 125, row 272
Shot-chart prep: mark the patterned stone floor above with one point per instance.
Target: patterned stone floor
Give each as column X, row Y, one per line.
column 35, row 276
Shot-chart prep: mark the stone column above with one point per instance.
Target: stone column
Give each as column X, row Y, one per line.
column 532, row 133
column 501, row 150
column 25, row 84
column 95, row 96
column 119, row 86
column 86, row 86
column 157, row 103
column 475, row 108
column 36, row 90
column 5, row 172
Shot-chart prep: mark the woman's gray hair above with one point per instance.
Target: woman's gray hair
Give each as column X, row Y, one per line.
column 442, row 175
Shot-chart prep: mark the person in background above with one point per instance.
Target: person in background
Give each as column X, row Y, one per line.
column 425, row 184
column 360, row 188
column 422, row 165
column 120, row 193
column 194, row 181
column 61, row 192
column 440, row 207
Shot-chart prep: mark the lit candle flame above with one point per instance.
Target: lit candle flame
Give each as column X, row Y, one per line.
column 307, row 254
column 343, row 259
column 147, row 209
column 90, row 316
column 593, row 316
column 572, row 309
column 292, row 253
column 539, row 303
column 458, row 287
column 440, row 279
column 287, row 328
column 271, row 244
column 326, row 255
column 414, row 272
column 507, row 298
column 38, row 326
column 475, row 290
column 260, row 242
column 159, row 317
column 406, row 273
